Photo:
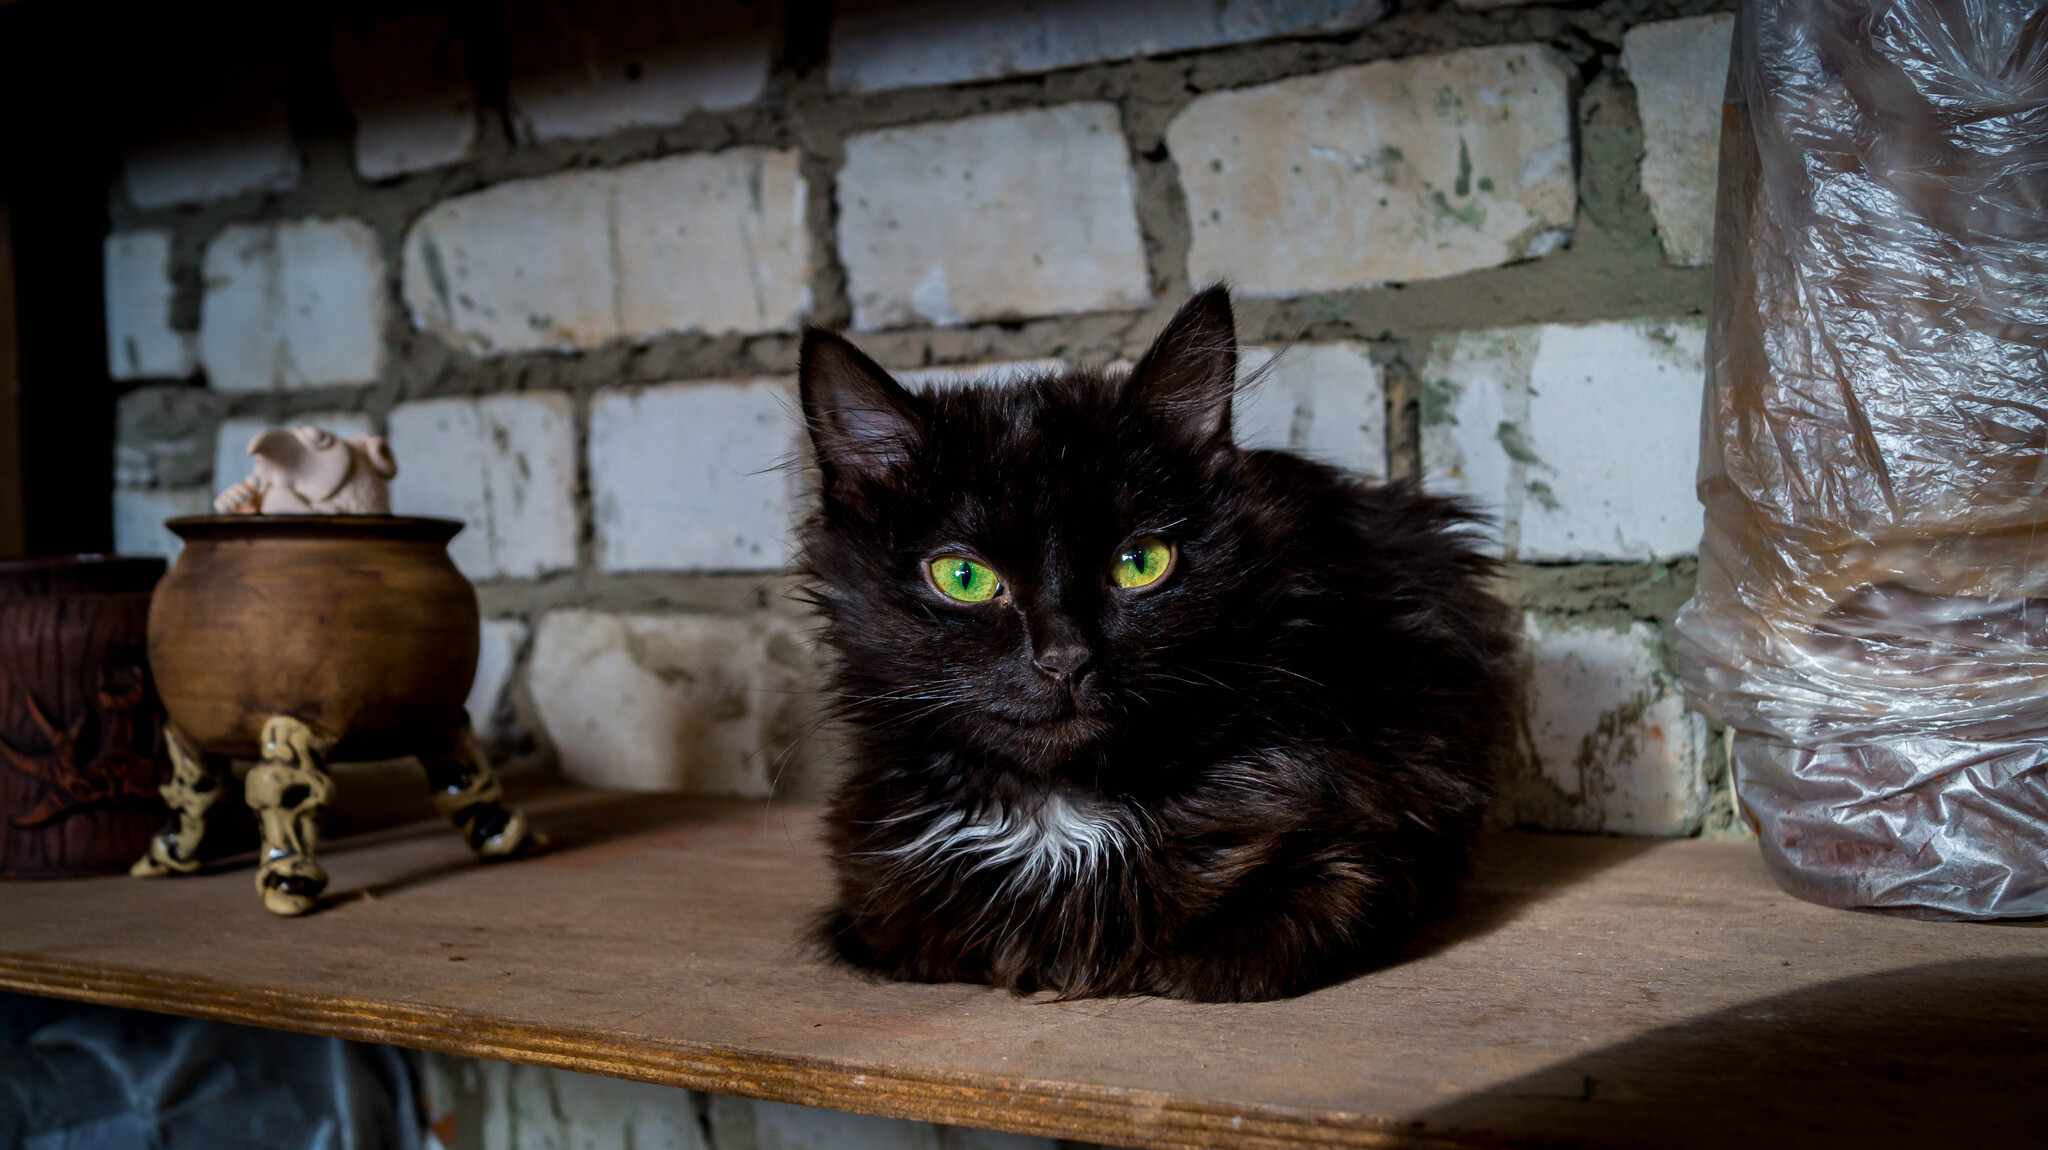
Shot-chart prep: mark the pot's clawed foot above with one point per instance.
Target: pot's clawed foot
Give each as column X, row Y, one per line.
column 467, row 792
column 289, row 791
column 194, row 784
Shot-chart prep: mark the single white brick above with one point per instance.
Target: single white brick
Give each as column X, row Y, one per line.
column 257, row 155
column 506, row 466
column 703, row 703
column 231, row 460
column 1609, row 730
column 523, row 266
column 402, row 136
column 695, row 476
column 589, row 69
column 1322, row 400
column 1680, row 69
column 1402, row 170
column 712, row 243
column 497, row 657
column 140, row 341
column 292, row 304
column 1621, row 489
column 406, row 83
column 1000, row 373
column 882, row 44
column 139, row 515
column 1014, row 214
column 1581, row 439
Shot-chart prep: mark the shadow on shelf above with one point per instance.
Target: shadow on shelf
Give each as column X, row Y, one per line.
column 1851, row 1056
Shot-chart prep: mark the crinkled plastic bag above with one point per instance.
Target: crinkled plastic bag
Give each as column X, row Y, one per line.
column 1872, row 614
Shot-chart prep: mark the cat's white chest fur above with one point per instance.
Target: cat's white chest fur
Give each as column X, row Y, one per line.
column 1056, row 839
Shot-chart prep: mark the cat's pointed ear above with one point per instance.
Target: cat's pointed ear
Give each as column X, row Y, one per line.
column 862, row 422
column 1186, row 379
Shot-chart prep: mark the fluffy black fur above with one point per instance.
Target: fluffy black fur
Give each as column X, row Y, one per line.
column 1242, row 782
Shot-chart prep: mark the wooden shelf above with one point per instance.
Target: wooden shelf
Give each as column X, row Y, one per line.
column 1589, row 991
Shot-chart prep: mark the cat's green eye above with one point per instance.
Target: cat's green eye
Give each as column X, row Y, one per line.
column 1142, row 563
column 958, row 577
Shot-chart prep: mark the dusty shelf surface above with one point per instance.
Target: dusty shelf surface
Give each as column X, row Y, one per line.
column 1597, row 992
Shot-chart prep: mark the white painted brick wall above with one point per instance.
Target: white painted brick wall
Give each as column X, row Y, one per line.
column 139, row 515
column 292, row 304
column 710, row 243
column 1583, row 439
column 231, row 459
column 709, row 704
column 497, row 657
column 1015, row 214
column 882, row 44
column 695, row 476
column 405, row 81
column 258, row 155
column 1679, row 69
column 505, row 465
column 1323, row 400
column 1609, row 731
column 587, row 69
column 140, row 341
column 1401, row 170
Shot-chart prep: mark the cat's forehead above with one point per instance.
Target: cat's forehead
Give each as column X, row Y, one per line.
column 1044, row 458
column 1069, row 419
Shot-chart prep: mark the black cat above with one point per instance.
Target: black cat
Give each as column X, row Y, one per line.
column 1133, row 710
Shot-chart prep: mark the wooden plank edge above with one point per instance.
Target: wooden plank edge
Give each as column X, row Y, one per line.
column 1117, row 1117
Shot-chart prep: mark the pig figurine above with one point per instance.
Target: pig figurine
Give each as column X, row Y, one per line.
column 310, row 470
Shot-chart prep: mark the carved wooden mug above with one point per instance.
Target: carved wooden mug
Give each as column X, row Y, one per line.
column 81, row 749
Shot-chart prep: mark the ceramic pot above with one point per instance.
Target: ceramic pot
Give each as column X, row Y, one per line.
column 358, row 625
column 81, row 731
column 302, row 639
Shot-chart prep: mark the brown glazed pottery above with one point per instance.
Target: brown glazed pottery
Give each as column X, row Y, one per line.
column 81, row 731
column 304, row 639
column 358, row 625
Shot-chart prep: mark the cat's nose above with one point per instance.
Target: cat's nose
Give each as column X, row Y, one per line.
column 1064, row 662
column 1060, row 650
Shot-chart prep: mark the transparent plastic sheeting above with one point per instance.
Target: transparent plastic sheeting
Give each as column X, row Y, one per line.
column 1872, row 614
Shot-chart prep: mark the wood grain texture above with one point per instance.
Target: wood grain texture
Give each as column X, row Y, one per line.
column 1592, row 992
